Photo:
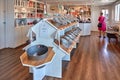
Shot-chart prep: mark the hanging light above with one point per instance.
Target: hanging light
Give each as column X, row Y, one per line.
column 81, row 10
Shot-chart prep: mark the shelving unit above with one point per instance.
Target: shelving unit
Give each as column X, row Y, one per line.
column 18, row 21
column 26, row 11
column 62, row 32
column 71, row 46
column 25, row 14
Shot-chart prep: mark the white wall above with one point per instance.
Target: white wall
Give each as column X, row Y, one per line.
column 9, row 8
column 112, row 21
column 111, row 16
column 2, row 29
column 6, row 23
column 95, row 11
column 49, row 11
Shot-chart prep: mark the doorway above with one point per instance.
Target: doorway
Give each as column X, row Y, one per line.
column 2, row 24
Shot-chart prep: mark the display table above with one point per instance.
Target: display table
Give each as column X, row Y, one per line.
column 46, row 32
column 38, row 67
column 86, row 28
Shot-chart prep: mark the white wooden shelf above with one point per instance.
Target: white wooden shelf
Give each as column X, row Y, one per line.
column 27, row 10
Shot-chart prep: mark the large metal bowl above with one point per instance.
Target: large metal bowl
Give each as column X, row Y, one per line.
column 37, row 52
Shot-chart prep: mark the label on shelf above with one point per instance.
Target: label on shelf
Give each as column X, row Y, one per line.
column 44, row 30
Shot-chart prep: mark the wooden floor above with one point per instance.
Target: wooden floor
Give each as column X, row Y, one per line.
column 93, row 59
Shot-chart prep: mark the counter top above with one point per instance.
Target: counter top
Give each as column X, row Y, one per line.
column 36, row 63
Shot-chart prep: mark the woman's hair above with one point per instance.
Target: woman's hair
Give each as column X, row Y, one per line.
column 101, row 13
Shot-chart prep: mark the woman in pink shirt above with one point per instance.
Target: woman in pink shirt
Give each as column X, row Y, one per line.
column 101, row 19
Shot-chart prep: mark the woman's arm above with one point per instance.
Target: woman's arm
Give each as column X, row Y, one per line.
column 99, row 18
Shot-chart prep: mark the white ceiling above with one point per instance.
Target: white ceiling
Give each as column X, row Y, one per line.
column 80, row 2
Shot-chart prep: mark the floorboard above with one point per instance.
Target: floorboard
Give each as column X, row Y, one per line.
column 93, row 59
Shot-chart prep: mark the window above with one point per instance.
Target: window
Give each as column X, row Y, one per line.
column 105, row 13
column 117, row 12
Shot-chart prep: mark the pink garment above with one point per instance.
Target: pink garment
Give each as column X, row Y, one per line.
column 101, row 19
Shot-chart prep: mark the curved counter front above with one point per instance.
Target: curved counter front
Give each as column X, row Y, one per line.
column 86, row 28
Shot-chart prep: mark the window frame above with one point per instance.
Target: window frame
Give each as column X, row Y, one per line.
column 117, row 13
column 106, row 13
